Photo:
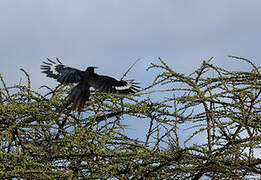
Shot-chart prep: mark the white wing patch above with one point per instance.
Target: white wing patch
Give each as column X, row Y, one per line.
column 127, row 86
column 53, row 69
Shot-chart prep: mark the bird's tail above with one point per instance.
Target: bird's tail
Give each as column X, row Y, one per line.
column 78, row 96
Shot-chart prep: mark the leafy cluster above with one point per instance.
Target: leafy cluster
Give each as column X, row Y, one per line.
column 207, row 124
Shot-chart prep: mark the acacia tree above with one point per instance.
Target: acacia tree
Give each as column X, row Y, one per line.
column 206, row 125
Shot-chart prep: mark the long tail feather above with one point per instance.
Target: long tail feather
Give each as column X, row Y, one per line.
column 78, row 96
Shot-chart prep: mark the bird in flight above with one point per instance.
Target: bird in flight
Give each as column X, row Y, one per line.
column 85, row 79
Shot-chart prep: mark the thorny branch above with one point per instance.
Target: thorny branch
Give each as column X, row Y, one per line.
column 206, row 124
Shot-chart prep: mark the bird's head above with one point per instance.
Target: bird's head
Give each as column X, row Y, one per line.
column 91, row 69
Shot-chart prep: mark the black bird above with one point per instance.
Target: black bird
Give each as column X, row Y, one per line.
column 85, row 79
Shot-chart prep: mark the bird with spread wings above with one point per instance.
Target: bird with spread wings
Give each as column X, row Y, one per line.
column 85, row 79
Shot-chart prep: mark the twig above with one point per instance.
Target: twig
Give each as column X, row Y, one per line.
column 123, row 76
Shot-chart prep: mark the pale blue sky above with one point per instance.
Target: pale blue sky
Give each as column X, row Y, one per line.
column 112, row 34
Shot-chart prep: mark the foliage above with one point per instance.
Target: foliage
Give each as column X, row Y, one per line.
column 217, row 107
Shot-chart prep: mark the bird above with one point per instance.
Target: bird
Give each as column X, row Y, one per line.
column 85, row 80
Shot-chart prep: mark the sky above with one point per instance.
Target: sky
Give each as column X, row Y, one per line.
column 112, row 34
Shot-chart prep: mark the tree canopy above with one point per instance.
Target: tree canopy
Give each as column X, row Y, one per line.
column 207, row 124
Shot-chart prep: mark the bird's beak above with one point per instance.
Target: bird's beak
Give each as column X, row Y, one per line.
column 95, row 67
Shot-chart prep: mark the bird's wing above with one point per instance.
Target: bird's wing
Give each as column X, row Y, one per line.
column 63, row 74
column 110, row 85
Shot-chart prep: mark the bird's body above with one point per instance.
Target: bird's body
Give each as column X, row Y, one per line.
column 86, row 79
